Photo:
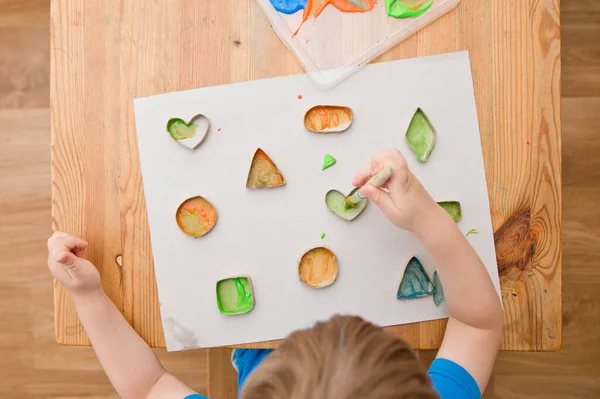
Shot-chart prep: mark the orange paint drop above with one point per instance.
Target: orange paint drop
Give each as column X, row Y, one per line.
column 219, row 129
column 299, row 96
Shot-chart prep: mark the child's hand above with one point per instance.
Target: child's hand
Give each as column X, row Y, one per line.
column 405, row 203
column 66, row 263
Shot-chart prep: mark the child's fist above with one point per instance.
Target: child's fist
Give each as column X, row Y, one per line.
column 406, row 202
column 66, row 263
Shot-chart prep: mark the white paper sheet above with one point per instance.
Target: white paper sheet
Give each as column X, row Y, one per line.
column 263, row 233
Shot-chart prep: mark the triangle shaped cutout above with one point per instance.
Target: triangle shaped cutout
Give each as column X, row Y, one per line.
column 415, row 282
column 263, row 172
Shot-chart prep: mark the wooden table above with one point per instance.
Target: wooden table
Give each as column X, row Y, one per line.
column 105, row 53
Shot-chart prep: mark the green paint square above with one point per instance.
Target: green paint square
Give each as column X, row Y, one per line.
column 235, row 296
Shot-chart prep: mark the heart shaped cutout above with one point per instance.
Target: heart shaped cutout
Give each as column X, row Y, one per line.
column 336, row 203
column 191, row 134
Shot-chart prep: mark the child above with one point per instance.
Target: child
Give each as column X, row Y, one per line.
column 342, row 358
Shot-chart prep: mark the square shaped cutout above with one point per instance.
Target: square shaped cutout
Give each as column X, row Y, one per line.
column 235, row 295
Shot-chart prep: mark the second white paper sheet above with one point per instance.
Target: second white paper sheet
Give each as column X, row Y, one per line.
column 263, row 233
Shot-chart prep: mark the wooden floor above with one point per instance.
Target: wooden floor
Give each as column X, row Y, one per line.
column 33, row 366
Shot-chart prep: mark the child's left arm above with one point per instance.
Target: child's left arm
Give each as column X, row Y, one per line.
column 129, row 363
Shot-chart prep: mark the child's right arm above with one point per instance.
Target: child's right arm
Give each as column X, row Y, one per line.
column 129, row 363
column 474, row 329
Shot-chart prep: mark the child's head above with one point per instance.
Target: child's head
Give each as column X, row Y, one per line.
column 343, row 358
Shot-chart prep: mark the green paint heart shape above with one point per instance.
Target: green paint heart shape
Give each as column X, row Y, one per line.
column 191, row 134
column 336, row 202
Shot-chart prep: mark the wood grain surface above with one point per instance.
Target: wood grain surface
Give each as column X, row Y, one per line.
column 35, row 367
column 105, row 53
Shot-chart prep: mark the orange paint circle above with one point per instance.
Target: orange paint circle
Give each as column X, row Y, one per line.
column 318, row 268
column 299, row 96
column 196, row 216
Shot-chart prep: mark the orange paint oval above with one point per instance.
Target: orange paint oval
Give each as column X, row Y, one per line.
column 328, row 119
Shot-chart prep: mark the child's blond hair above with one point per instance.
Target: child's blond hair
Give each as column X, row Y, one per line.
column 343, row 358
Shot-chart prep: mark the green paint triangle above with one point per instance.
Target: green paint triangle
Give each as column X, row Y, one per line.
column 415, row 282
column 328, row 162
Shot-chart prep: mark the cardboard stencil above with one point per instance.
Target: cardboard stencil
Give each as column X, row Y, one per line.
column 261, row 233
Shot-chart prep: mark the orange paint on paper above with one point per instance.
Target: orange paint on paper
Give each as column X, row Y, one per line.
column 328, row 118
column 314, row 8
column 263, row 172
column 299, row 96
column 196, row 216
column 219, row 129
column 318, row 268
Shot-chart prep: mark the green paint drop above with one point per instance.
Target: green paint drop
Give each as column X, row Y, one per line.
column 328, row 162
column 235, row 296
column 472, row 231
column 415, row 282
column 322, row 235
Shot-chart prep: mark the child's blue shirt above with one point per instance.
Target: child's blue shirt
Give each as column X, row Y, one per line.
column 449, row 379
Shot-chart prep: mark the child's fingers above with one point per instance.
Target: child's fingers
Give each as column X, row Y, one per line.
column 362, row 176
column 381, row 198
column 394, row 159
column 366, row 172
column 67, row 259
column 79, row 252
column 60, row 239
column 72, row 243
